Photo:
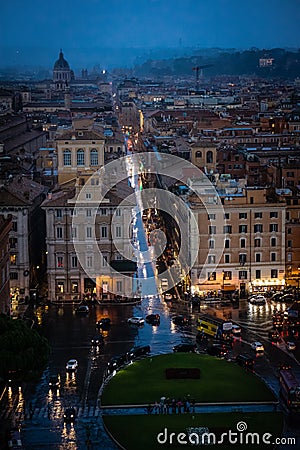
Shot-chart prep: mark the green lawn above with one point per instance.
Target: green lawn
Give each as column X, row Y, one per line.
column 220, row 381
column 136, row 432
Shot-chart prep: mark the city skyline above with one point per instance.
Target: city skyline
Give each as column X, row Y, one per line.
column 142, row 26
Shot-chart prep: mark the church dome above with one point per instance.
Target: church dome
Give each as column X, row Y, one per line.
column 61, row 63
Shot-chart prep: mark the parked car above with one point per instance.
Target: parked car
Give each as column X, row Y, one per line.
column 72, row 365
column 153, row 319
column 82, row 309
column 188, row 348
column 257, row 347
column 258, row 300
column 236, row 330
column 180, row 320
column 97, row 340
column 274, row 336
column 245, row 361
column 104, row 323
column 116, row 362
column 136, row 320
column 287, row 298
column 290, row 345
column 217, row 350
column 14, row 440
column 70, row 415
column 54, row 381
column 135, row 352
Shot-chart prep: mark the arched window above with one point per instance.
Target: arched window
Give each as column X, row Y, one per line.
column 209, row 157
column 80, row 157
column 94, row 157
column 67, row 157
column 198, row 154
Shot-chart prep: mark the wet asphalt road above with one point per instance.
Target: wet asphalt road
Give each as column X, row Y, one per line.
column 70, row 335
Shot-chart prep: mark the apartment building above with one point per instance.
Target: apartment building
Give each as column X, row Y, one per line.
column 241, row 241
column 80, row 153
column 76, row 234
column 5, row 227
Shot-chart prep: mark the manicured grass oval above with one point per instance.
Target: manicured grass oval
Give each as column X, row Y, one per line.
column 144, row 382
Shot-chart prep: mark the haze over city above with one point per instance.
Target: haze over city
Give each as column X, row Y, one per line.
column 98, row 31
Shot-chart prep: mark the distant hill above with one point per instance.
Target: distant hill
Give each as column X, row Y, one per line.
column 271, row 63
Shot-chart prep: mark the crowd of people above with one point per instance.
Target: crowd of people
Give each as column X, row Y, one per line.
column 168, row 405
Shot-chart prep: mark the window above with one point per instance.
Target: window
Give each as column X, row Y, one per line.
column 104, row 231
column 251, row 200
column 58, row 213
column 104, row 260
column 290, row 174
column 257, row 274
column 258, row 228
column 289, row 231
column 227, row 243
column 88, row 232
column 60, row 287
column 74, row 287
column 227, row 229
column 209, row 157
column 74, row 232
column 243, row 275
column 118, row 212
column 243, row 243
column 14, row 275
column 13, row 242
column 243, row 215
column 211, row 259
column 257, row 257
column 258, row 215
column 212, row 229
column 94, row 157
column 211, row 244
column 198, row 154
column 103, row 211
column 290, row 243
column 289, row 257
column 274, row 273
column 88, row 213
column 227, row 275
column 118, row 231
column 67, row 156
column 13, row 259
column 119, row 286
column 80, row 157
column 59, row 233
column 273, row 256
column 257, row 242
column 273, row 242
column 226, row 258
column 60, row 261
column 243, row 229
column 14, row 226
column 88, row 195
column 89, row 261
column 226, row 216
column 242, row 258
column 211, row 276
column 211, row 216
column 273, row 227
column 74, row 262
column 273, row 215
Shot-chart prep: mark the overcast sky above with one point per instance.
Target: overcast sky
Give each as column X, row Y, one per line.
column 150, row 23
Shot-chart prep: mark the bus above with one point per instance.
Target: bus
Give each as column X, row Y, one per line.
column 290, row 389
column 217, row 328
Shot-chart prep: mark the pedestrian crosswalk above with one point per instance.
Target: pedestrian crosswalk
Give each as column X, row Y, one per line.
column 45, row 412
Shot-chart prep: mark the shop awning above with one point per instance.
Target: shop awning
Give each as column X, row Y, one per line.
column 229, row 287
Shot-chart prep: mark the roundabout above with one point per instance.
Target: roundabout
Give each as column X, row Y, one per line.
column 176, row 400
